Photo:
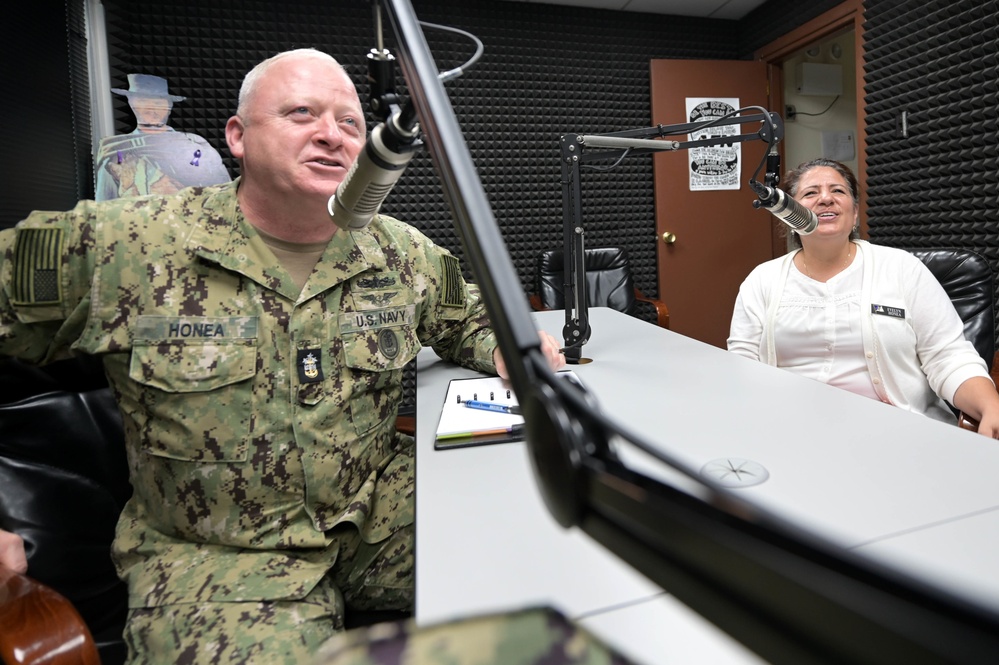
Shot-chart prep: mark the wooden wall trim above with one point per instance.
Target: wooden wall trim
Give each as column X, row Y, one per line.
column 840, row 17
column 847, row 15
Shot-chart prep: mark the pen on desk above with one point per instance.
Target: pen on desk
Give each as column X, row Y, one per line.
column 493, row 406
column 516, row 430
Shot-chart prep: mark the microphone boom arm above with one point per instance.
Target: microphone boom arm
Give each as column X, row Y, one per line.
column 619, row 145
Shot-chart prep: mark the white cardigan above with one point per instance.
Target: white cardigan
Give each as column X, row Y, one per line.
column 917, row 358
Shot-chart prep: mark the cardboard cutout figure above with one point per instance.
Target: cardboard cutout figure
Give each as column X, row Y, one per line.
column 153, row 159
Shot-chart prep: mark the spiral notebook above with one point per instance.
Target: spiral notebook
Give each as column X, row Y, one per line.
column 461, row 426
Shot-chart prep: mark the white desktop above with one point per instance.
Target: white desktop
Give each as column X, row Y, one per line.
column 916, row 493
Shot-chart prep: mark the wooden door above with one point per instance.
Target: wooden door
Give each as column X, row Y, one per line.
column 719, row 236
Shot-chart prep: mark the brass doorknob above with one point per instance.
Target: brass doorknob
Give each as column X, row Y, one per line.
column 669, row 238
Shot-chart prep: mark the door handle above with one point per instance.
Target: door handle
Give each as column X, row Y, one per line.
column 669, row 238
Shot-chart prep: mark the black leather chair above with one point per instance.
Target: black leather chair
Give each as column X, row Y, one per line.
column 609, row 283
column 967, row 278
column 63, row 483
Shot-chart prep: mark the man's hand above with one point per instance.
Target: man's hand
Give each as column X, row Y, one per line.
column 549, row 347
column 12, row 552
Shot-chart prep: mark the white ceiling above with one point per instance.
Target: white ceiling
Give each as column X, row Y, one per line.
column 721, row 9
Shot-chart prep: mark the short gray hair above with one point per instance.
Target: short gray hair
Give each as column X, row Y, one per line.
column 252, row 77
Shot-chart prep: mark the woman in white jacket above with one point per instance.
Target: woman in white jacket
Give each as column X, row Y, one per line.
column 870, row 319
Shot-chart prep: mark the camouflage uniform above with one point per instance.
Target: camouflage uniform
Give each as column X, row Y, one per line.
column 539, row 636
column 259, row 419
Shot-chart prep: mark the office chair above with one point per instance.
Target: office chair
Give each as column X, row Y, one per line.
column 967, row 278
column 609, row 283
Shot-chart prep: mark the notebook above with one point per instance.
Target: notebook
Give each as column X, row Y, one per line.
column 461, row 426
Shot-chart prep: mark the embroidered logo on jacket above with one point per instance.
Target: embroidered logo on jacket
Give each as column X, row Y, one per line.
column 376, row 282
column 379, row 298
column 388, row 344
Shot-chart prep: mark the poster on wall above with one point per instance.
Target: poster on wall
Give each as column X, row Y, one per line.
column 720, row 166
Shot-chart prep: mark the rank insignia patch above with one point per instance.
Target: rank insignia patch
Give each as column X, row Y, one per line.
column 310, row 367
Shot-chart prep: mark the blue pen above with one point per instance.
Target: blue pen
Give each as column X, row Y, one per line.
column 493, row 406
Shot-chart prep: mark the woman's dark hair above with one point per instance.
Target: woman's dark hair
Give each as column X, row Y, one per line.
column 792, row 179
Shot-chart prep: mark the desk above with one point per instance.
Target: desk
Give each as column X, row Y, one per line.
column 865, row 475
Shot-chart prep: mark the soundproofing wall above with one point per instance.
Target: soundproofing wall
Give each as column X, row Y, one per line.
column 932, row 98
column 40, row 167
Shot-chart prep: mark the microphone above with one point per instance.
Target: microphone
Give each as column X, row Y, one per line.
column 373, row 174
column 785, row 208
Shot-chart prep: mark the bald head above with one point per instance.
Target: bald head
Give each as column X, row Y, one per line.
column 253, row 77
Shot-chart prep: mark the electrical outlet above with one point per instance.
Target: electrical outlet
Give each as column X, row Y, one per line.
column 790, row 112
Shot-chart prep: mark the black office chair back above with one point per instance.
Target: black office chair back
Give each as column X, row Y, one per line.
column 609, row 282
column 967, row 278
column 63, row 483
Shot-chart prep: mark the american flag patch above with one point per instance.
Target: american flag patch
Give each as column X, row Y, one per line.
column 37, row 254
column 452, row 293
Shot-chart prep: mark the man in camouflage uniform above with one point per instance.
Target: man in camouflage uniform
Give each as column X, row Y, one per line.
column 256, row 354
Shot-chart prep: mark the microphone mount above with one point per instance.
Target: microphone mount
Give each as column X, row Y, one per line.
column 576, row 152
column 387, row 150
column 383, row 101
